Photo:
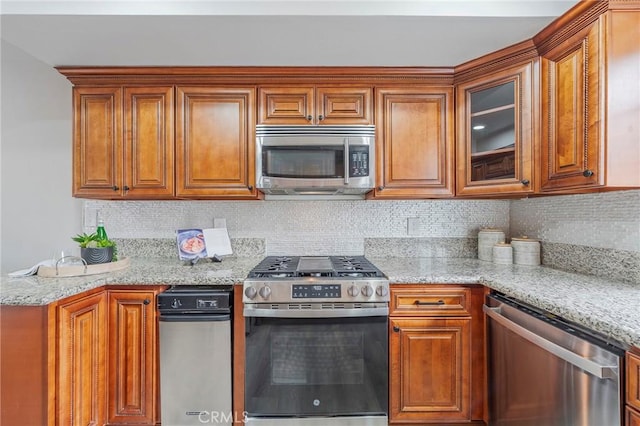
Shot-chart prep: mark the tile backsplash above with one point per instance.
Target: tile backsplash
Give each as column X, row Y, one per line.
column 597, row 234
column 299, row 227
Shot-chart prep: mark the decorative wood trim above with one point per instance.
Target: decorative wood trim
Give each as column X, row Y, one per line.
column 577, row 19
column 516, row 54
column 255, row 75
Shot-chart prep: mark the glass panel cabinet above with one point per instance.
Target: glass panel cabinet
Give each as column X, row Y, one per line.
column 495, row 133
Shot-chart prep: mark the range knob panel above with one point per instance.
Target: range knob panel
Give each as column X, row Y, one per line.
column 367, row 291
column 251, row 292
column 265, row 292
column 353, row 290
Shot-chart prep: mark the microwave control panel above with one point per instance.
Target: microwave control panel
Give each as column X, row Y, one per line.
column 358, row 161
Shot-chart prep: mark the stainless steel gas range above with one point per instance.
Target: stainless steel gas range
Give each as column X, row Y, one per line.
column 316, row 342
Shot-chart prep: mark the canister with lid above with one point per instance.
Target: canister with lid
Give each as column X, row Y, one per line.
column 526, row 251
column 502, row 254
column 487, row 237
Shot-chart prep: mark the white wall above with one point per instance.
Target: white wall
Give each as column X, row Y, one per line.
column 38, row 214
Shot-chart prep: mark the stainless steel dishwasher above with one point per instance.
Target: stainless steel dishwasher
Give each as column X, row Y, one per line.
column 544, row 370
column 195, row 355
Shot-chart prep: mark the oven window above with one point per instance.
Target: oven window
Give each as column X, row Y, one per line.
column 316, row 367
column 303, row 162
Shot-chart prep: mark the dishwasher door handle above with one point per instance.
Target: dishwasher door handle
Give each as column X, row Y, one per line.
column 600, row 371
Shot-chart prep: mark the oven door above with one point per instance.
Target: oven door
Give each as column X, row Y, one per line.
column 316, row 367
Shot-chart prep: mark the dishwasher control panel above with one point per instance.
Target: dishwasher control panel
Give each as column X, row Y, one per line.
column 195, row 300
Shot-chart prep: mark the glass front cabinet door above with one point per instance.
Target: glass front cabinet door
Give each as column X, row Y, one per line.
column 495, row 133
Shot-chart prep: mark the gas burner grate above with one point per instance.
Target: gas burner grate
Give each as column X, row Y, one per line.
column 341, row 266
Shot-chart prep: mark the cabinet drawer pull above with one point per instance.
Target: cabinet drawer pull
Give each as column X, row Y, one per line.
column 250, row 187
column 396, row 328
column 525, row 182
column 587, row 173
column 146, row 301
column 438, row 303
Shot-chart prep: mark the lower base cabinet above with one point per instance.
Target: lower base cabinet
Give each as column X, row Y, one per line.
column 106, row 358
column 436, row 355
column 632, row 392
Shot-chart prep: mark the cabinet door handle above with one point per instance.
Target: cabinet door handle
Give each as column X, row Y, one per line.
column 126, row 188
column 320, row 117
column 115, row 188
column 380, row 188
column 587, row 173
column 419, row 303
column 525, row 182
column 396, row 328
column 146, row 301
column 309, row 118
column 250, row 187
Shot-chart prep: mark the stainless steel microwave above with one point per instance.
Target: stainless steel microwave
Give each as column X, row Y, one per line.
column 315, row 160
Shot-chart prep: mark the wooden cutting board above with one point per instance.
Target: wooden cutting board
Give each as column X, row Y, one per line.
column 80, row 270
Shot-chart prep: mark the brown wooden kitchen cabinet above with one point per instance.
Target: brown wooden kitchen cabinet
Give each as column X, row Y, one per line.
column 81, row 380
column 495, row 132
column 590, row 102
column 132, row 358
column 436, row 354
column 215, row 142
column 123, row 142
column 414, row 142
column 633, row 388
column 315, row 105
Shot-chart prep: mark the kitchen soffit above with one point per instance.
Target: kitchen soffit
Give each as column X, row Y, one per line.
column 265, row 32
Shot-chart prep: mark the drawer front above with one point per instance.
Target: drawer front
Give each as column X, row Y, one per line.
column 633, row 381
column 427, row 301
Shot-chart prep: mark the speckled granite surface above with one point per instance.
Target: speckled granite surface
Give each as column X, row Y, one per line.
column 41, row 291
column 608, row 306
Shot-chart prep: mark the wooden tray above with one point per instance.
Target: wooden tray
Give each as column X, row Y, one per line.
column 80, row 270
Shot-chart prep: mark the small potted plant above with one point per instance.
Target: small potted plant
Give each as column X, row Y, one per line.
column 94, row 249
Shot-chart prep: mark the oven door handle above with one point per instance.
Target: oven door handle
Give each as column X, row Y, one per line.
column 600, row 371
column 315, row 313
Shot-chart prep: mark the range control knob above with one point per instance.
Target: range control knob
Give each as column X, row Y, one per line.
column 367, row 291
column 353, row 291
column 382, row 291
column 250, row 292
column 265, row 292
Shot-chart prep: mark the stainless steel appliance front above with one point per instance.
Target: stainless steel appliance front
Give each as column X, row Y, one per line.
column 316, row 342
column 315, row 160
column 546, row 371
column 195, row 355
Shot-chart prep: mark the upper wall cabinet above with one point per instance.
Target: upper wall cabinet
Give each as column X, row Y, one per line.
column 215, row 142
column 315, row 105
column 134, row 160
column 590, row 133
column 495, row 133
column 414, row 142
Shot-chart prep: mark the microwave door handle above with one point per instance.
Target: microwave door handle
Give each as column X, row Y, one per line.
column 346, row 161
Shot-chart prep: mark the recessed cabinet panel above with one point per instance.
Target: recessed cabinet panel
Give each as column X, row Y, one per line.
column 149, row 141
column 570, row 138
column 291, row 105
column 414, row 139
column 344, row 105
column 495, row 133
column 215, row 139
column 97, row 145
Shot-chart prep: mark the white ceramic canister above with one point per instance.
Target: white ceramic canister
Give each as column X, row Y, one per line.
column 502, row 254
column 487, row 237
column 526, row 251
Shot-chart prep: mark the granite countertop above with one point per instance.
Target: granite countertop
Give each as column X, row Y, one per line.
column 36, row 290
column 609, row 307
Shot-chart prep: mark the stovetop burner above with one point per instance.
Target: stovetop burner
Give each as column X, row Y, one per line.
column 315, row 266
